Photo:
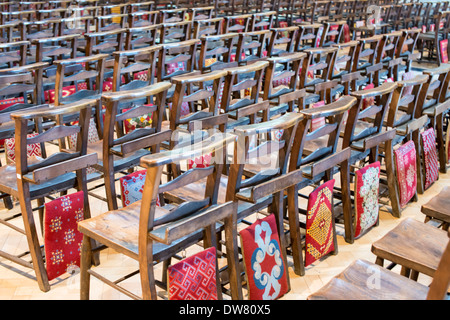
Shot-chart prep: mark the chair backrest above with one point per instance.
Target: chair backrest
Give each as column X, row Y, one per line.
column 442, row 28
column 56, row 169
column 239, row 23
column 201, row 12
column 309, row 36
column 111, row 22
column 13, row 53
column 172, row 15
column 56, row 48
column 175, row 32
column 406, row 46
column 332, row 33
column 343, row 59
column 382, row 96
column 192, row 220
column 405, row 101
column 121, row 106
column 243, row 86
column 317, row 66
column 307, row 134
column 141, row 6
column 262, row 21
column 435, row 89
column 176, row 58
column 104, row 42
column 207, row 27
column 76, row 25
column 22, row 85
column 135, row 68
column 282, row 41
column 30, row 30
column 218, row 52
column 200, row 93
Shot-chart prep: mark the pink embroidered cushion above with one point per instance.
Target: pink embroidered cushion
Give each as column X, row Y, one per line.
column 319, row 223
column 264, row 266
column 366, row 198
column 194, row 278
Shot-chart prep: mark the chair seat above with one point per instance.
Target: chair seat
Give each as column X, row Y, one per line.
column 119, row 230
column 439, row 206
column 352, row 284
column 8, row 183
column 414, row 245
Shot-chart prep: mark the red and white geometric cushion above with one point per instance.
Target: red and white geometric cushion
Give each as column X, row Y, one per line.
column 405, row 165
column 62, row 240
column 430, row 157
column 319, row 223
column 264, row 266
column 366, row 197
column 194, row 278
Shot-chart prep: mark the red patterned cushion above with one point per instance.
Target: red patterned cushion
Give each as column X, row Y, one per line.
column 62, row 240
column 317, row 122
column 132, row 186
column 366, row 197
column 405, row 164
column 194, row 278
column 319, row 223
column 430, row 157
column 443, row 44
column 263, row 261
column 200, row 162
column 33, row 150
column 367, row 102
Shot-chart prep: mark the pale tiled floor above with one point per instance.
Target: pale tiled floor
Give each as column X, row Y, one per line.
column 17, row 282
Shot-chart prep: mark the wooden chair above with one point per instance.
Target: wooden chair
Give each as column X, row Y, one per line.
column 104, row 42
column 32, row 178
column 135, row 68
column 317, row 163
column 122, row 147
column 332, row 33
column 201, row 13
column 155, row 227
column 344, row 58
column 351, row 284
column 237, row 23
column 76, row 25
column 406, row 47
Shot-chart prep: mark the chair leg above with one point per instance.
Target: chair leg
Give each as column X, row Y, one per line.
column 391, row 178
column 294, row 231
column 85, row 266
